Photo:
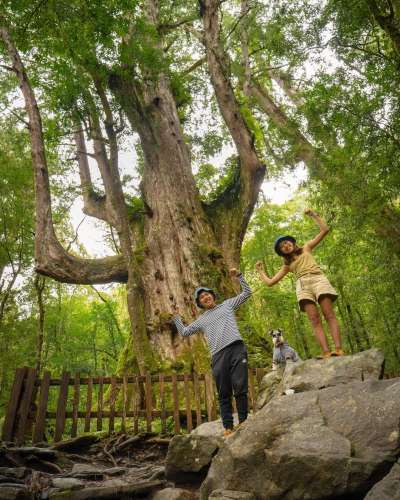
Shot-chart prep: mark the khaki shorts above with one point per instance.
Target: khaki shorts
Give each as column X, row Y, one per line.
column 311, row 287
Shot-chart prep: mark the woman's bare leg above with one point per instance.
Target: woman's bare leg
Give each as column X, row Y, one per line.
column 326, row 305
column 315, row 319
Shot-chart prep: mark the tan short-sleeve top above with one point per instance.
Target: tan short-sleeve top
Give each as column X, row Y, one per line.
column 304, row 264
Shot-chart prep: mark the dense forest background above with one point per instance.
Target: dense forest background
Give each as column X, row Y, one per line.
column 319, row 86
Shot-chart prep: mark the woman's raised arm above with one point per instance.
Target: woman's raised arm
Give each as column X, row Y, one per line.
column 323, row 230
column 271, row 281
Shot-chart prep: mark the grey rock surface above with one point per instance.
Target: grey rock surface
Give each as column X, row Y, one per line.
column 15, row 472
column 188, row 455
column 86, row 471
column 67, row 483
column 213, row 429
column 173, row 494
column 315, row 374
column 269, row 387
column 330, row 442
column 231, row 495
column 14, row 492
column 388, row 488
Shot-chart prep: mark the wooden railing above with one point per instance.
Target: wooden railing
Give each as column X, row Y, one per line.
column 141, row 402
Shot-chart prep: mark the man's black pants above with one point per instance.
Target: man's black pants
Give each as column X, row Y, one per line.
column 229, row 368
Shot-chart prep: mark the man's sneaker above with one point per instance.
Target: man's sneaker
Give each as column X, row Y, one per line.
column 228, row 432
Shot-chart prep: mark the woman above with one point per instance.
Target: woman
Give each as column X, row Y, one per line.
column 312, row 286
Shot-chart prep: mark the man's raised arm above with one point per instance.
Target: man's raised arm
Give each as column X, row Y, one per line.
column 235, row 302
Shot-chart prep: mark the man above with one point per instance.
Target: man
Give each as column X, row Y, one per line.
column 228, row 351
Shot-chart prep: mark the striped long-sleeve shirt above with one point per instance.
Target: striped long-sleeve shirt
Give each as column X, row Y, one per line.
column 219, row 323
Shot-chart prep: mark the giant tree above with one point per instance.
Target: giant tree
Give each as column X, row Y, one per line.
column 108, row 62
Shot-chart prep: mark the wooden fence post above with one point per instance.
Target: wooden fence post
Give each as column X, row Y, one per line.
column 38, row 433
column 88, row 408
column 26, row 404
column 124, row 398
column 75, row 406
column 252, row 392
column 10, row 420
column 162, row 405
column 259, row 374
column 175, row 397
column 136, row 404
column 188, row 403
column 61, row 407
column 149, row 402
column 197, row 398
column 113, row 395
column 210, row 398
column 100, row 405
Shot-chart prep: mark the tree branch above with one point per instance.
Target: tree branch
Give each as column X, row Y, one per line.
column 283, row 80
column 251, row 170
column 51, row 258
column 390, row 24
column 94, row 204
column 164, row 28
column 194, row 66
column 305, row 151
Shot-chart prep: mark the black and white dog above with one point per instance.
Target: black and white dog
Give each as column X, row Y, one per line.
column 282, row 351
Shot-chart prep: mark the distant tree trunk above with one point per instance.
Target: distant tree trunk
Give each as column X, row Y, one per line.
column 354, row 327
column 363, row 329
column 94, row 347
column 347, row 332
column 300, row 334
column 39, row 284
column 389, row 331
column 6, row 287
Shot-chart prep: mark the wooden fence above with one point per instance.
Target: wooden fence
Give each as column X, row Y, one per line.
column 135, row 400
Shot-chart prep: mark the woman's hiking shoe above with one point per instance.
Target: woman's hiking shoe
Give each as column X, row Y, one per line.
column 228, row 432
column 324, row 355
column 339, row 352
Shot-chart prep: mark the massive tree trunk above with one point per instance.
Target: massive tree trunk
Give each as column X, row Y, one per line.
column 176, row 242
column 177, row 245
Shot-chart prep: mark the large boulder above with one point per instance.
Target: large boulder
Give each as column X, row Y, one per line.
column 318, row 374
column 333, row 442
column 314, row 374
column 189, row 456
column 174, row 494
column 388, row 488
column 269, row 387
